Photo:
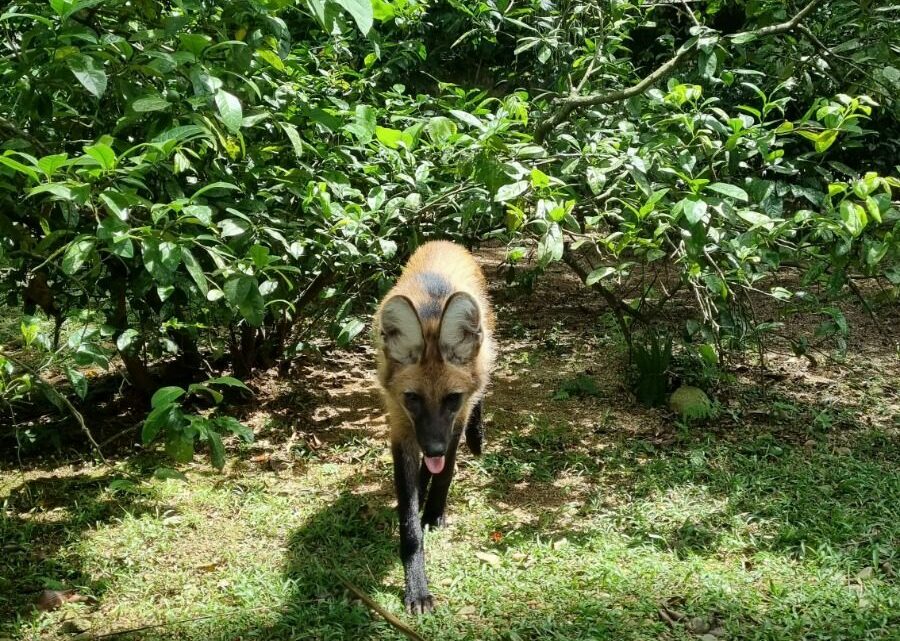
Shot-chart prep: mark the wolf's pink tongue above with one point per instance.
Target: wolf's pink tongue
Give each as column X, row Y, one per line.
column 434, row 464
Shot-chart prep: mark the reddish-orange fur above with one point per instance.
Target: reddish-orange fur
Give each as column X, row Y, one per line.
column 433, row 377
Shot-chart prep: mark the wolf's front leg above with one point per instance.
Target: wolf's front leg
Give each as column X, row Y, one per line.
column 418, row 599
column 436, row 500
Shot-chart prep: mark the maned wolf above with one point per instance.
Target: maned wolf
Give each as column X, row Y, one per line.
column 435, row 345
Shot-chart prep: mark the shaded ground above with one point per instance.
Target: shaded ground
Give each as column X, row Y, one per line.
column 587, row 518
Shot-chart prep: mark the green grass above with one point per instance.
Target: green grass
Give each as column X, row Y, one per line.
column 764, row 539
column 586, row 517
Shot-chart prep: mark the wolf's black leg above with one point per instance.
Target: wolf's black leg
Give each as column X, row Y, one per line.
column 475, row 430
column 424, row 478
column 418, row 599
column 436, row 503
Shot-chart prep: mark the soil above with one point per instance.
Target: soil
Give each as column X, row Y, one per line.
column 549, row 335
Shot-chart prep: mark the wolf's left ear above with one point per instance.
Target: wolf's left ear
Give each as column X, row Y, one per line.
column 461, row 334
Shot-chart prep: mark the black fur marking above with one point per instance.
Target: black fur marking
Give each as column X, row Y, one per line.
column 417, row 598
column 436, row 503
column 475, row 430
column 438, row 289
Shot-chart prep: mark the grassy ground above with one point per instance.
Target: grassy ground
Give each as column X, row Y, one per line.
column 587, row 517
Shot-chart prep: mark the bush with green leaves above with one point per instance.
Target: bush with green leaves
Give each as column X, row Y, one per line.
column 182, row 430
column 215, row 182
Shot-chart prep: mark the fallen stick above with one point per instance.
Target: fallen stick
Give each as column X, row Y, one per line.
column 387, row 616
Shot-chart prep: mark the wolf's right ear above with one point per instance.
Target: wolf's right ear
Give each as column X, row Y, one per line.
column 401, row 331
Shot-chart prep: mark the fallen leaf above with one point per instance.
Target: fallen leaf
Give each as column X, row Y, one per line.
column 698, row 625
column 670, row 616
column 866, row 573
column 496, row 537
column 49, row 600
column 489, row 558
column 467, row 611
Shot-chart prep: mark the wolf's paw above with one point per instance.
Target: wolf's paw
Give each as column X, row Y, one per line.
column 434, row 521
column 419, row 603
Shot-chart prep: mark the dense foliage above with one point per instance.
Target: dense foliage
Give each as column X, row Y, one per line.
column 213, row 182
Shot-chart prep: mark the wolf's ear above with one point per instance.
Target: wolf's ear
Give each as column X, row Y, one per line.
column 461, row 334
column 401, row 331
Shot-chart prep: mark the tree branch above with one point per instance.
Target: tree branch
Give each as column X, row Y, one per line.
column 12, row 127
column 387, row 616
column 567, row 105
column 57, row 399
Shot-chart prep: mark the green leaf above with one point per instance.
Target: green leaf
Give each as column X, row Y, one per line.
column 599, row 274
column 61, row 191
column 150, row 103
column 214, row 186
column 230, row 110
column 511, row 191
column 272, row 58
column 195, row 270
column 294, row 136
column 596, row 179
column 361, row 11
column 350, row 329
column 78, row 381
column 216, row 449
column 180, row 447
column 468, row 118
column 20, row 167
column 229, row 381
column 30, row 327
column 785, row 127
column 440, row 129
column 166, row 396
column 116, row 203
column 76, row 255
column 743, row 38
column 874, row 209
column 128, row 341
column 388, row 137
column 550, row 247
column 732, row 191
column 201, row 212
column 854, row 217
column 363, row 125
column 91, row 78
column 233, row 227
column 694, row 210
column 825, row 140
column 243, row 292
column 235, row 427
column 103, row 154
column 49, row 164
column 383, row 10
column 756, row 219
column 158, row 418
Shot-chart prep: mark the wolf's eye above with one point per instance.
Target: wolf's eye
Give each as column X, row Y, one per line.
column 452, row 401
column 411, row 399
